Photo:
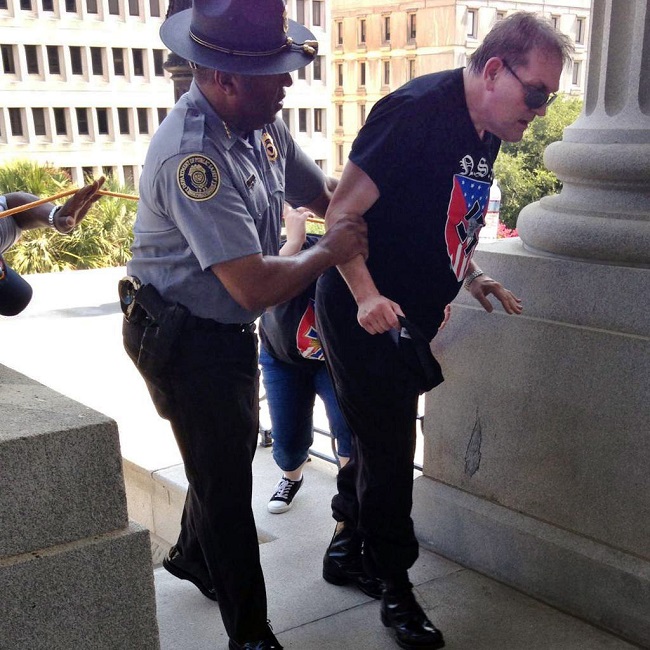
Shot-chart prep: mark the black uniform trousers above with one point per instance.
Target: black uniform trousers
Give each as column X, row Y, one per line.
column 379, row 399
column 209, row 392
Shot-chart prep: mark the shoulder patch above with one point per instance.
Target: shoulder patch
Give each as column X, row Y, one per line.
column 198, row 177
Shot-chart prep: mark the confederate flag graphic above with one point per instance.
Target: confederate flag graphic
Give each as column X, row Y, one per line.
column 465, row 218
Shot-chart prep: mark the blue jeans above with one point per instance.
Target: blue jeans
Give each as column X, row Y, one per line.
column 290, row 392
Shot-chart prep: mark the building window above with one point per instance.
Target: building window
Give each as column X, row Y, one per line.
column 500, row 15
column 31, row 58
column 302, row 120
column 134, row 8
column 48, row 5
column 109, row 172
column 302, row 73
column 320, row 163
column 339, row 115
column 317, row 69
column 386, row 34
column 91, row 6
column 300, row 12
column 286, row 117
column 123, row 120
column 339, row 32
column 129, row 175
column 118, row 61
column 362, row 114
column 575, row 76
column 96, row 60
column 87, row 173
column 8, row 61
column 162, row 114
column 339, row 155
column 412, row 27
column 102, row 121
column 386, row 73
column 75, row 60
column 317, row 13
column 411, row 68
column 82, row 121
column 53, row 59
column 339, row 73
column 138, row 62
column 580, row 31
column 362, row 73
column 3, row 4
column 158, row 60
column 26, row 5
column 154, row 8
column 60, row 123
column 471, row 23
column 362, row 31
column 555, row 21
column 16, row 121
column 38, row 115
column 143, row 120
column 71, row 6
column 318, row 120
column 114, row 7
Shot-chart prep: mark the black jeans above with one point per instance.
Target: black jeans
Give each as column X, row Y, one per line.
column 379, row 399
column 209, row 392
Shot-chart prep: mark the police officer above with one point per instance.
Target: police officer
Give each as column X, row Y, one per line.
column 204, row 267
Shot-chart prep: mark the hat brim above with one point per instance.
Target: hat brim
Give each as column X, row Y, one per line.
column 175, row 34
column 15, row 292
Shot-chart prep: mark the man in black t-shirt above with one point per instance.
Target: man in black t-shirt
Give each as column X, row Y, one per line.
column 420, row 172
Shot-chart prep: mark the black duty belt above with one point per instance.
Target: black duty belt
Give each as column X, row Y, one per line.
column 143, row 305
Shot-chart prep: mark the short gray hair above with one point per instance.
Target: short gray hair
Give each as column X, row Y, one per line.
column 514, row 37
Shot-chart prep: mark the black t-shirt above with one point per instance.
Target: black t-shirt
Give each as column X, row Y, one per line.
column 288, row 331
column 434, row 173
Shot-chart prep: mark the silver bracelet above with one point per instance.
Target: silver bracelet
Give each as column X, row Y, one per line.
column 50, row 217
column 471, row 277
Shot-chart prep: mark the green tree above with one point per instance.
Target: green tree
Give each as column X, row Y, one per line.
column 520, row 169
column 103, row 238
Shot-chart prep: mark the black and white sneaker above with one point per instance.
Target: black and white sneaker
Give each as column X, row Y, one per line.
column 284, row 493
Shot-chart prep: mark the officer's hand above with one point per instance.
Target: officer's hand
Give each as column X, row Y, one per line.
column 346, row 239
column 378, row 314
column 75, row 208
column 484, row 285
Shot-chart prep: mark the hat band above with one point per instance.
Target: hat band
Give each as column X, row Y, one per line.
column 308, row 47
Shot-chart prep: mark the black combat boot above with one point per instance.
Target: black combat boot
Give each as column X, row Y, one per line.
column 401, row 612
column 342, row 562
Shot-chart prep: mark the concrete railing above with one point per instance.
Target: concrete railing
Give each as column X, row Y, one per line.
column 74, row 572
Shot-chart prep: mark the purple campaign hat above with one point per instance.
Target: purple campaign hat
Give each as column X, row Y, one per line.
column 251, row 37
column 15, row 293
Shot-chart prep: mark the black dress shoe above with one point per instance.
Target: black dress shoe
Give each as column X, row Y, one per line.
column 269, row 642
column 413, row 630
column 342, row 563
column 175, row 564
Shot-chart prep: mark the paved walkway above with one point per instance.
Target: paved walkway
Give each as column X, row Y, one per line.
column 69, row 339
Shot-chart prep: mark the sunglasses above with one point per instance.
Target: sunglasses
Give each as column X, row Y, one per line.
column 534, row 97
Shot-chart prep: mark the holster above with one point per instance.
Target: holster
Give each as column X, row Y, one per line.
column 163, row 323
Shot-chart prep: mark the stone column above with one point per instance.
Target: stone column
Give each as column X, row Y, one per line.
column 176, row 65
column 603, row 160
column 536, row 445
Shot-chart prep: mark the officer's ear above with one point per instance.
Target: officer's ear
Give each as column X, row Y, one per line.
column 225, row 81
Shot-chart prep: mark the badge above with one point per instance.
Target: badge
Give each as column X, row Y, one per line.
column 269, row 147
column 198, row 178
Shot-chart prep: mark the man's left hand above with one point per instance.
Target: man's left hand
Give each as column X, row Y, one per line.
column 75, row 208
column 484, row 285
